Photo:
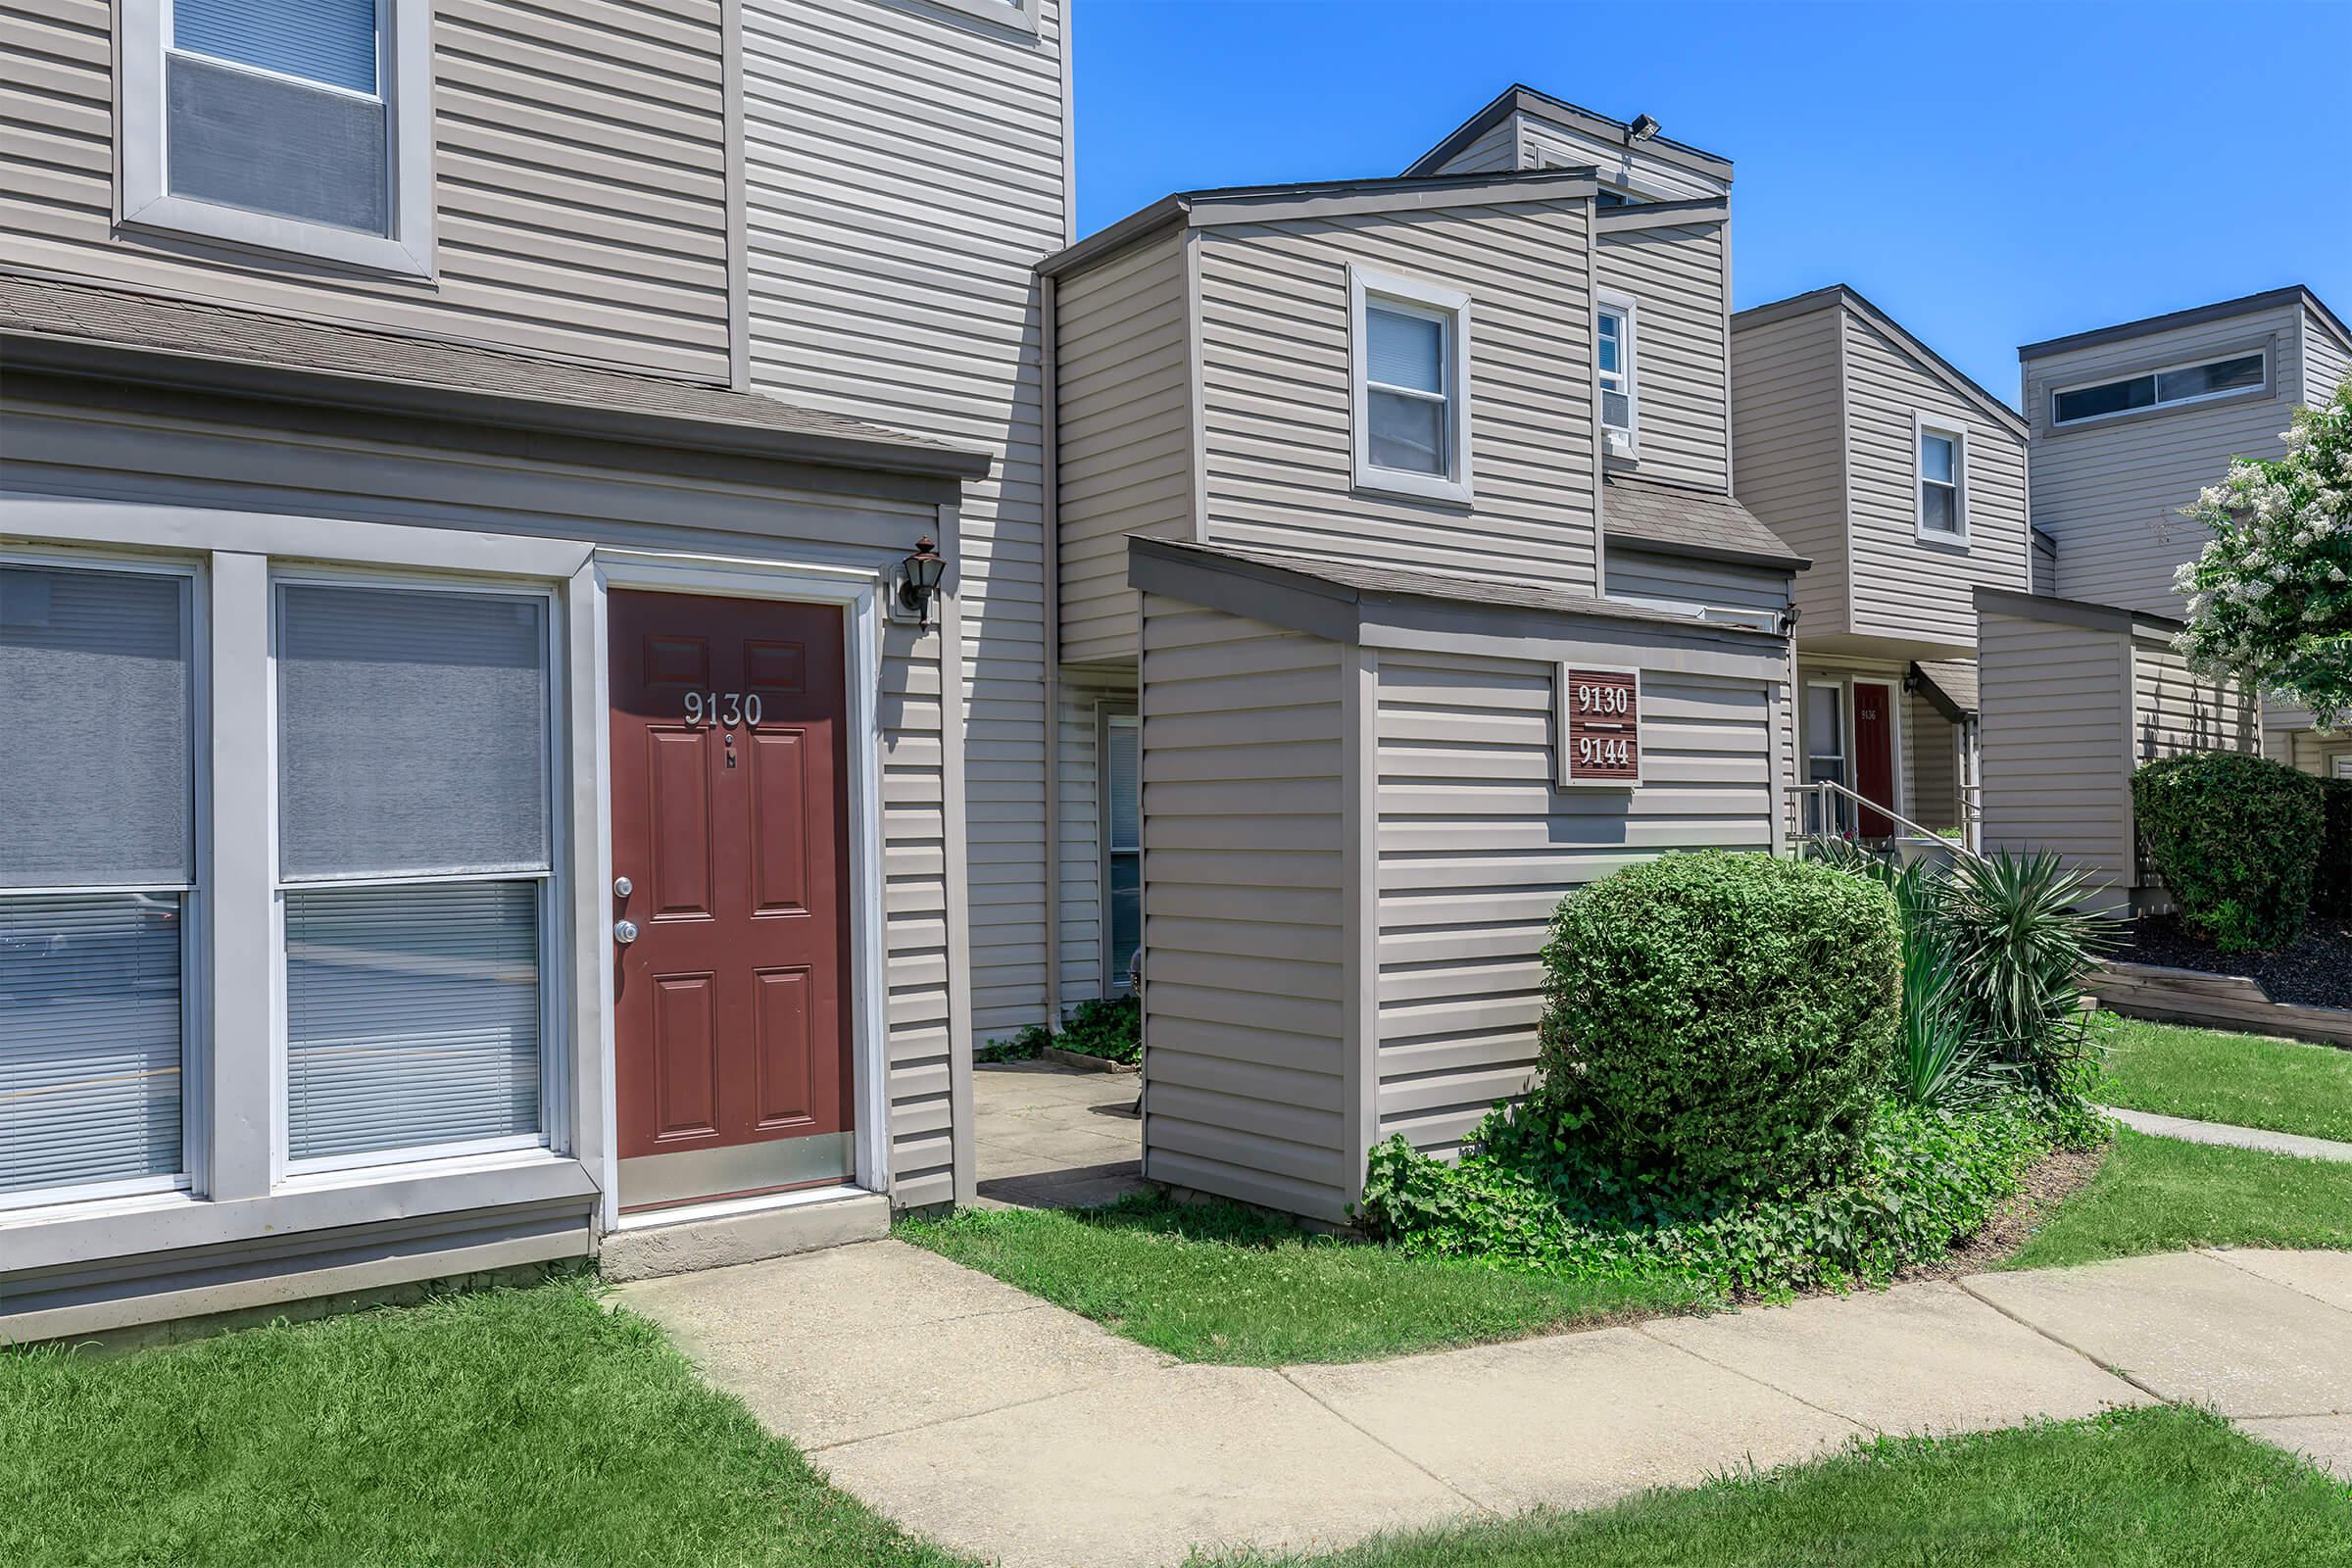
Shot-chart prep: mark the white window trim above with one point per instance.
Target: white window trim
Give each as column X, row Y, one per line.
column 2260, row 389
column 1921, row 426
column 555, row 968
column 1109, row 715
column 1018, row 14
column 404, row 75
column 1625, row 443
column 195, row 935
column 1364, row 285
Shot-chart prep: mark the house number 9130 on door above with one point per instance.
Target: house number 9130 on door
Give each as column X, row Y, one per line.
column 729, row 709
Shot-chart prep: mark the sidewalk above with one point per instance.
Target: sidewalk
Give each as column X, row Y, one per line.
column 1010, row 1428
column 2215, row 1132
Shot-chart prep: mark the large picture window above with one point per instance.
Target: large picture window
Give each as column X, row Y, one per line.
column 98, row 877
column 415, row 850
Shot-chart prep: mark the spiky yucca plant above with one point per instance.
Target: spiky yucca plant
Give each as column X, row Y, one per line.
column 2020, row 944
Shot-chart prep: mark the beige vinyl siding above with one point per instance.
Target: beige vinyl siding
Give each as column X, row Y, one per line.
column 1495, row 151
column 1245, row 812
column 1477, row 848
column 1905, row 586
column 2174, row 711
column 1276, row 389
column 192, row 462
column 1084, row 701
column 2057, row 702
column 1547, row 144
column 1788, row 428
column 1932, row 764
column 580, row 189
column 1123, row 393
column 1685, row 582
column 1676, row 277
column 2308, row 750
column 905, row 174
column 2111, row 491
column 2326, row 361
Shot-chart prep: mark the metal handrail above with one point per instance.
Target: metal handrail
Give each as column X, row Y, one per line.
column 1825, row 789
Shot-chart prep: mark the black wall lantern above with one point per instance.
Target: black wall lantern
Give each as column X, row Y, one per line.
column 916, row 588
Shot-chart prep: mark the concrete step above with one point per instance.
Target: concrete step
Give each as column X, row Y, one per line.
column 681, row 1247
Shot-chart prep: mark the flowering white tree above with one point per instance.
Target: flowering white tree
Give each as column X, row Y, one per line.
column 2270, row 598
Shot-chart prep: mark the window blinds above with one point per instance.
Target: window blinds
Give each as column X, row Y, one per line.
column 412, row 732
column 89, row 1039
column 333, row 41
column 95, row 770
column 412, row 1016
column 1123, row 781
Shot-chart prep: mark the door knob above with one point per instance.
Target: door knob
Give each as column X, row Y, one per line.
column 624, row 932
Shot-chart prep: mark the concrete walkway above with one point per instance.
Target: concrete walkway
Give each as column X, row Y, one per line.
column 1052, row 1137
column 980, row 1416
column 2215, row 1132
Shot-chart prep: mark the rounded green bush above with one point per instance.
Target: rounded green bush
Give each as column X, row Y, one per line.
column 2236, row 839
column 1728, row 1020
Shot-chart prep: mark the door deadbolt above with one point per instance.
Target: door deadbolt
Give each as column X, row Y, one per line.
column 624, row 932
column 622, row 887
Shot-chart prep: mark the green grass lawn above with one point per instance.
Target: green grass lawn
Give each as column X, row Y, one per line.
column 2245, row 1080
column 2136, row 1489
column 1214, row 1282
column 515, row 1428
column 2159, row 1194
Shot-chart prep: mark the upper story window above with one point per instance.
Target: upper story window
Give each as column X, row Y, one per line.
column 1942, row 479
column 1614, row 360
column 2149, row 389
column 298, row 125
column 1411, row 343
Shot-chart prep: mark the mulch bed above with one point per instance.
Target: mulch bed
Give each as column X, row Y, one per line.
column 2056, row 1179
column 2316, row 971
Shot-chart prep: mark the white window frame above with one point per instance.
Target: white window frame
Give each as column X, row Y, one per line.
column 1019, row 14
column 554, row 971
column 2156, row 373
column 404, row 75
column 1923, row 425
column 195, row 1011
column 1451, row 306
column 1623, row 443
column 2342, row 767
column 1111, row 716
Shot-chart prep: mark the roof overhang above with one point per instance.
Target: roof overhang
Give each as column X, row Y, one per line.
column 1520, row 99
column 88, row 359
column 1949, row 685
column 2075, row 613
column 1371, row 606
column 2195, row 315
column 1340, row 198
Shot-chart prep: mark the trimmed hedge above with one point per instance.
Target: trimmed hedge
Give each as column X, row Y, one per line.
column 1726, row 1019
column 2331, row 885
column 2236, row 839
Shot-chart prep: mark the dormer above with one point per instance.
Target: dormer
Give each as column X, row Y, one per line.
column 1422, row 372
column 1524, row 129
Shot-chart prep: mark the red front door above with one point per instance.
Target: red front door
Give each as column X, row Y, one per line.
column 730, row 822
column 1873, row 754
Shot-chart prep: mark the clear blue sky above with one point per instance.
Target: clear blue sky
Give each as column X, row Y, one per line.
column 1989, row 175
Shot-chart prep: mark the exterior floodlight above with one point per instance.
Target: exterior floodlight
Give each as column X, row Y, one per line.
column 1641, row 130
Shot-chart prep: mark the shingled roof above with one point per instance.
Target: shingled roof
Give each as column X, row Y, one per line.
column 1692, row 523
column 77, row 328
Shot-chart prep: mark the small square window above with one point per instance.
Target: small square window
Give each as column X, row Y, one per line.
column 298, row 125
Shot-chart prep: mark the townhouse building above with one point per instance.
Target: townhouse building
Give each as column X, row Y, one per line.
column 1903, row 482
column 1348, row 475
column 2130, row 422
column 514, row 531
